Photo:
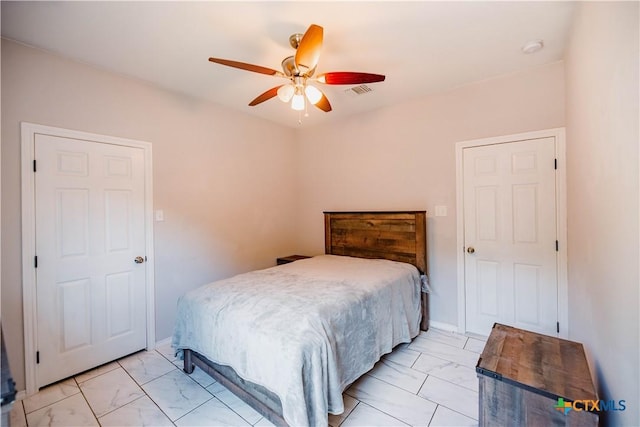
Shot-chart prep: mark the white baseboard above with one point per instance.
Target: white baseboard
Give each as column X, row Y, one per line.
column 443, row 326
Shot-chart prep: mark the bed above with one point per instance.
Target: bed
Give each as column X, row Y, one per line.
column 289, row 339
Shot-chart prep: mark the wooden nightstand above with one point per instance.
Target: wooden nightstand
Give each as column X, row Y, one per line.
column 290, row 258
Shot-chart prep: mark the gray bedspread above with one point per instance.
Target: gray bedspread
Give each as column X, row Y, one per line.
column 304, row 330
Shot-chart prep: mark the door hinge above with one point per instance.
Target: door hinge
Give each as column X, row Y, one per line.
column 555, row 163
column 35, row 261
column 37, row 357
column 34, row 165
column 557, row 246
column 558, row 327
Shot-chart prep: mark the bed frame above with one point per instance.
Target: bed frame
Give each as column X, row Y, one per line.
column 396, row 236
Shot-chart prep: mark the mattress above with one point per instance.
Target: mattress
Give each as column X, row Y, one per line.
column 304, row 330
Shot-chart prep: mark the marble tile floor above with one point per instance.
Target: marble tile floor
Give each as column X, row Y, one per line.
column 429, row 382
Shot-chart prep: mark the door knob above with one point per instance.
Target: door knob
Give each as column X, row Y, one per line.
column 139, row 260
column 470, row 250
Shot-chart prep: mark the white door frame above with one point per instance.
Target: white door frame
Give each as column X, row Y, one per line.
column 561, row 219
column 28, row 134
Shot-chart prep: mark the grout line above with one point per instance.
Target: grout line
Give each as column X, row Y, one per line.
column 200, row 405
column 113, row 410
column 390, row 364
column 445, row 406
column 97, row 375
column 159, row 408
column 164, row 413
column 457, row 412
column 379, row 410
column 433, row 415
column 167, row 415
column 393, row 385
column 132, row 379
column 56, row 401
column 446, row 360
column 87, row 402
column 399, row 388
column 452, row 383
column 232, row 410
column 422, row 385
column 451, row 361
column 416, row 361
column 24, row 413
column 431, row 339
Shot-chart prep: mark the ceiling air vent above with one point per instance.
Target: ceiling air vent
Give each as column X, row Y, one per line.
column 358, row 90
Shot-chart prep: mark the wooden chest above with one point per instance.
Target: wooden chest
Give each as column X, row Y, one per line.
column 534, row 380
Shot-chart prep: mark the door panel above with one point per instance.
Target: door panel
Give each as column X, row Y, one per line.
column 72, row 218
column 509, row 198
column 91, row 296
column 525, row 214
column 527, row 286
column 488, row 287
column 486, row 212
column 75, row 317
column 120, row 310
column 117, row 218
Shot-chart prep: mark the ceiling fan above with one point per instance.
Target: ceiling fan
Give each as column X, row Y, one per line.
column 299, row 70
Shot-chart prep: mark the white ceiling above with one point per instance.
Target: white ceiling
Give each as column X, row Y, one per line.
column 422, row 47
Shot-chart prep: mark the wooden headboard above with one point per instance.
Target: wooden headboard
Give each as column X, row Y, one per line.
column 396, row 236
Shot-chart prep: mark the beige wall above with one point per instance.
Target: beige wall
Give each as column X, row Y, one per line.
column 223, row 179
column 602, row 177
column 404, row 158
column 233, row 187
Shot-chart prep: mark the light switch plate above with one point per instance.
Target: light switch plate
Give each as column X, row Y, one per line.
column 441, row 211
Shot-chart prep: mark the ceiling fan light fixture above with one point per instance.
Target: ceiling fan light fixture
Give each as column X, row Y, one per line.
column 285, row 93
column 313, row 94
column 297, row 102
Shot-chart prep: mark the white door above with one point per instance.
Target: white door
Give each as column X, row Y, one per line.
column 90, row 227
column 510, row 261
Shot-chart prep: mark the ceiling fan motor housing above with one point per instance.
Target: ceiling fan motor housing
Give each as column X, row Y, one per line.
column 289, row 66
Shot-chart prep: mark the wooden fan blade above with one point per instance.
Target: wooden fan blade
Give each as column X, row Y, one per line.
column 349, row 78
column 308, row 51
column 323, row 104
column 265, row 96
column 248, row 67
